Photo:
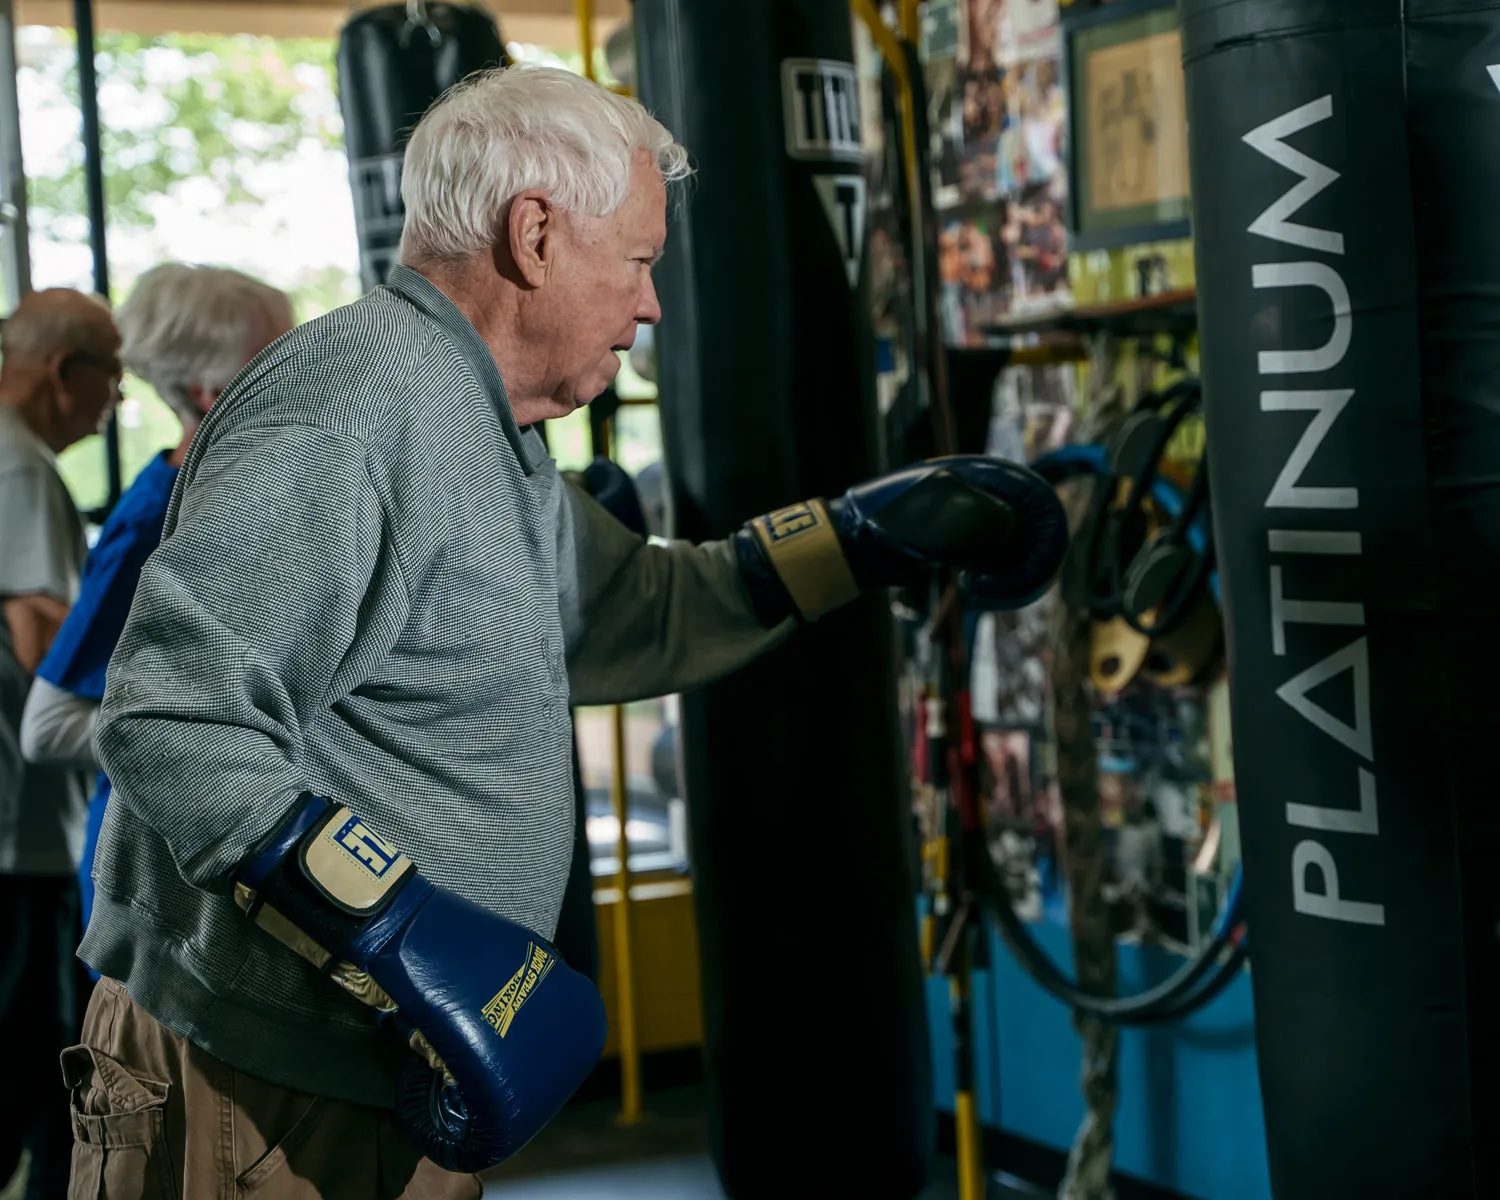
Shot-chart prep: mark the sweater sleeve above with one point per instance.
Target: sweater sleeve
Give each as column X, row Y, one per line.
column 246, row 623
column 647, row 618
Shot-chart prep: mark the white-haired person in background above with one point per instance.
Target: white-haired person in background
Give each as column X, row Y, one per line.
column 337, row 721
column 187, row 331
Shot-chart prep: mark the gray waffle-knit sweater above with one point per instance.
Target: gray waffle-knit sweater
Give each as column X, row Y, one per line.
column 373, row 586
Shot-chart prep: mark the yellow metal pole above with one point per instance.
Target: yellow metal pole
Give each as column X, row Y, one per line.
column 970, row 1153
column 911, row 21
column 630, row 1050
column 585, row 12
column 627, row 1037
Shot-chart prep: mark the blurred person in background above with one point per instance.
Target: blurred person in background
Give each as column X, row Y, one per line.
column 188, row 330
column 59, row 379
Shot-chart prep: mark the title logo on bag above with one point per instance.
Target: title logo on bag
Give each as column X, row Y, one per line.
column 793, row 519
column 368, row 849
column 502, row 1009
column 820, row 105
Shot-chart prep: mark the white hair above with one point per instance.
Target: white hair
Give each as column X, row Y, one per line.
column 186, row 325
column 511, row 129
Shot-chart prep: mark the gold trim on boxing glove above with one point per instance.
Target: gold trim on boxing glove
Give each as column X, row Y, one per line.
column 354, row 866
column 359, row 985
column 418, row 1042
column 802, row 546
column 506, row 1003
column 279, row 927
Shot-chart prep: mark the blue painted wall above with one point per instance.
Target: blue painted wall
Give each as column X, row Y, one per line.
column 1189, row 1116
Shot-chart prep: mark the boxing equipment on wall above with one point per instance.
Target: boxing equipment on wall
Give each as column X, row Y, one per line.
column 1143, row 561
column 1344, row 183
column 393, row 62
column 816, row 1039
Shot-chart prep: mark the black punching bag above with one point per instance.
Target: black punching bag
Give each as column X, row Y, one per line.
column 393, row 62
column 1345, row 183
column 816, row 1034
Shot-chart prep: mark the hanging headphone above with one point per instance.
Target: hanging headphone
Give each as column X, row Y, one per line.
column 1159, row 586
column 1145, row 563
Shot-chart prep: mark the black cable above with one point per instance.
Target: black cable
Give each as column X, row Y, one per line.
column 1224, row 976
column 1173, row 998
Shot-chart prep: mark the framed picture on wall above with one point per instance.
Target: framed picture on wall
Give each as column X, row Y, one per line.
column 1127, row 115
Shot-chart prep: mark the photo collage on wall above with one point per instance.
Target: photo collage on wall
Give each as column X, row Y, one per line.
column 888, row 271
column 1154, row 761
column 998, row 119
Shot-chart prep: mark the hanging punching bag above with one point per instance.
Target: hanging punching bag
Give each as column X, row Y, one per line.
column 815, row 1031
column 393, row 62
column 1345, row 183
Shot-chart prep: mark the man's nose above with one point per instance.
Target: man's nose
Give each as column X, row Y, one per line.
column 648, row 312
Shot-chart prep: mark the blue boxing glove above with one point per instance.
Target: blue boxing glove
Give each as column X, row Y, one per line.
column 1000, row 524
column 506, row 1031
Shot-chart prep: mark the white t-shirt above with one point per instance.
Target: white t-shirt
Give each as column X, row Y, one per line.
column 43, row 810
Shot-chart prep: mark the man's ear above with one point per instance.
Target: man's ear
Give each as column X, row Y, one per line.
column 530, row 226
column 58, row 367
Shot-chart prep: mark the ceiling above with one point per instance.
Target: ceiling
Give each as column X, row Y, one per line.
column 549, row 23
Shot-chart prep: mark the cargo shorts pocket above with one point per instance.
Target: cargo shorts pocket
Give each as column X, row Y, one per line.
column 119, row 1134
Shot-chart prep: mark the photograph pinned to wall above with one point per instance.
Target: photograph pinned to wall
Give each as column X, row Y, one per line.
column 939, row 53
column 875, row 127
column 1000, row 259
column 984, row 125
column 1154, row 763
column 1033, row 410
column 981, row 88
column 891, row 301
column 939, row 36
column 1022, row 830
column 1005, row 776
column 1034, row 141
column 972, row 272
column 945, row 131
column 1035, row 242
column 1030, row 30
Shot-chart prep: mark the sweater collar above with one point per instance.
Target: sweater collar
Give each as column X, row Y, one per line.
column 421, row 292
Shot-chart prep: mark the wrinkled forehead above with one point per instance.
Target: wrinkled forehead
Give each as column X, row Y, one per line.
column 648, row 197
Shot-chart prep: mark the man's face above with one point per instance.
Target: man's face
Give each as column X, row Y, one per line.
column 599, row 289
column 88, row 387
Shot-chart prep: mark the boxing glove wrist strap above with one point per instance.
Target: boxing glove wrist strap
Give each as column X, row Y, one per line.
column 802, row 547
column 321, row 884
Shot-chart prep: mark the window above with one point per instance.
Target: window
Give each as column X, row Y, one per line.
column 212, row 146
column 656, row 811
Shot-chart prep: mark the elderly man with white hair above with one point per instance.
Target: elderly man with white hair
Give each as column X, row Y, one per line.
column 337, row 722
column 187, row 330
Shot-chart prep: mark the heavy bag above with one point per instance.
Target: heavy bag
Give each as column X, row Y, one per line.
column 393, row 62
column 816, row 1039
column 1344, row 185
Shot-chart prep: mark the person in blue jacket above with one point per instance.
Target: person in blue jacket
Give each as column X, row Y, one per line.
column 188, row 330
